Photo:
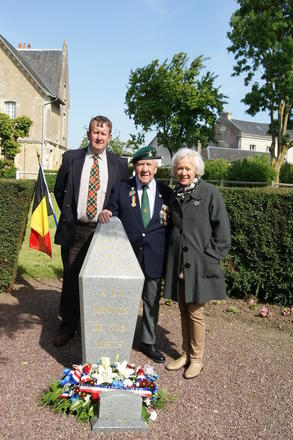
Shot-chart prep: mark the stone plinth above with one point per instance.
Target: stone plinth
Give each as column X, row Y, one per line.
column 111, row 283
column 119, row 411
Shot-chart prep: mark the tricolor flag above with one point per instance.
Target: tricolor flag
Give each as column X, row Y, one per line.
column 42, row 208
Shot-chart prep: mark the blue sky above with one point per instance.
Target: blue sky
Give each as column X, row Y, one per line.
column 108, row 39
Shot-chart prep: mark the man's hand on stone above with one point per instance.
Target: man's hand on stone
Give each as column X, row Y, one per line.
column 105, row 216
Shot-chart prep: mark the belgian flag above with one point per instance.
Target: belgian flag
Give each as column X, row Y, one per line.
column 42, row 208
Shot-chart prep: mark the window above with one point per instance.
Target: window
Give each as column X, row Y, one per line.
column 10, row 109
column 252, row 147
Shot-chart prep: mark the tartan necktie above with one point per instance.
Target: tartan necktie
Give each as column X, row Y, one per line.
column 94, row 186
column 145, row 206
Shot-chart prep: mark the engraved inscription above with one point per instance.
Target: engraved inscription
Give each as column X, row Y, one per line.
column 108, row 310
column 100, row 343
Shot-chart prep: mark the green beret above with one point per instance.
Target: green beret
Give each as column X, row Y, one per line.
column 145, row 153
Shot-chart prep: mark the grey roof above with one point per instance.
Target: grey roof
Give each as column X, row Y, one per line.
column 44, row 69
column 46, row 64
column 229, row 154
column 255, row 128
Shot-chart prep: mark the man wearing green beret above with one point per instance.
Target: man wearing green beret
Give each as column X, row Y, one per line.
column 141, row 203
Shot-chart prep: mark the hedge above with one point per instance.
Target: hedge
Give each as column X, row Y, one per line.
column 15, row 199
column 260, row 259
column 50, row 176
column 286, row 173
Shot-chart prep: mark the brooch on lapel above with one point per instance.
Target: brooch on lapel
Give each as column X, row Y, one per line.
column 196, row 202
column 164, row 215
column 132, row 195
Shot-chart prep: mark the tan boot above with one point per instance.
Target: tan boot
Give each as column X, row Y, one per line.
column 194, row 369
column 177, row 363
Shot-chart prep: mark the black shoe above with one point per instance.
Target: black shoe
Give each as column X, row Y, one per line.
column 152, row 353
column 63, row 338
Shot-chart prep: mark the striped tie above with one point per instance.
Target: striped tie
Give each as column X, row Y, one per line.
column 94, row 186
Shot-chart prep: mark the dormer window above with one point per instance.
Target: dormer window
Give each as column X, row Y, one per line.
column 10, row 109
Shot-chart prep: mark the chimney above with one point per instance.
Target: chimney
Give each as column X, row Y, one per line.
column 227, row 115
column 24, row 45
column 29, row 45
column 19, row 45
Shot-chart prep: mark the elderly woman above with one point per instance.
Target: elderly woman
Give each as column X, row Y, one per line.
column 200, row 238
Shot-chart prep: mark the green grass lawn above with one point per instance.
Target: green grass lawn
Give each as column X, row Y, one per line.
column 35, row 264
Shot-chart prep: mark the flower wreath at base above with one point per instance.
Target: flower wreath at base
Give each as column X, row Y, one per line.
column 80, row 387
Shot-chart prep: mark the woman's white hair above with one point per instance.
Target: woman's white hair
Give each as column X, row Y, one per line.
column 193, row 156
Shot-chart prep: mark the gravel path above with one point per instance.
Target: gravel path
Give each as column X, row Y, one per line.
column 244, row 391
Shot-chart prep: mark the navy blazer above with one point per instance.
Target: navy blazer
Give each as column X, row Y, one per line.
column 67, row 189
column 149, row 244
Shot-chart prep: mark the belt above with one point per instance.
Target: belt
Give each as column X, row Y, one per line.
column 89, row 224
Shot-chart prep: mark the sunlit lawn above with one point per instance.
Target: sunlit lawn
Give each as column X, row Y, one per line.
column 32, row 263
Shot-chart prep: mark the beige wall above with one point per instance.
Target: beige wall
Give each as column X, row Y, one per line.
column 260, row 143
column 290, row 155
column 16, row 85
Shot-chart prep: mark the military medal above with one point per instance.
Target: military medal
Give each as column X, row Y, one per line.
column 132, row 195
column 164, row 215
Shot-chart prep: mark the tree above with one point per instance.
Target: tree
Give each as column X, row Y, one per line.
column 171, row 99
column 84, row 142
column 10, row 131
column 262, row 44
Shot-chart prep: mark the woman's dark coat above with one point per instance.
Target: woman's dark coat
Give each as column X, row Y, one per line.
column 200, row 235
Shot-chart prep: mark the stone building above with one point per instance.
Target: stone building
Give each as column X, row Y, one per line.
column 236, row 139
column 34, row 83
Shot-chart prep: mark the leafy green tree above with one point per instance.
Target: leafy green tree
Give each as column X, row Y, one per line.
column 172, row 99
column 116, row 145
column 286, row 173
column 262, row 43
column 84, row 142
column 216, row 169
column 252, row 169
column 10, row 131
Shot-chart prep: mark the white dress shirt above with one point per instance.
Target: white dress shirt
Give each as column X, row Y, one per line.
column 152, row 187
column 84, row 186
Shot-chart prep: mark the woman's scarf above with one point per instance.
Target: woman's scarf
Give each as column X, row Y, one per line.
column 181, row 192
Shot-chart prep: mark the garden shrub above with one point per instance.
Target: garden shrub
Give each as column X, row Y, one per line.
column 216, row 169
column 50, row 176
column 260, row 259
column 252, row 169
column 15, row 199
column 286, row 173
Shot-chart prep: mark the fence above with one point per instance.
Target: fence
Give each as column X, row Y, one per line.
column 171, row 181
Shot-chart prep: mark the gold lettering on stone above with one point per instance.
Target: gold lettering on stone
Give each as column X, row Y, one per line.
column 117, row 328
column 97, row 328
column 100, row 343
column 107, row 310
column 118, row 294
column 101, row 293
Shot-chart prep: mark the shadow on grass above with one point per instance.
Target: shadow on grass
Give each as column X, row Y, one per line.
column 38, row 305
column 23, row 272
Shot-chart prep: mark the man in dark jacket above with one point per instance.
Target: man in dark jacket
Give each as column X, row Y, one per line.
column 141, row 203
column 82, row 189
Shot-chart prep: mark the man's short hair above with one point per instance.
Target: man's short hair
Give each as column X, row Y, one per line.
column 101, row 120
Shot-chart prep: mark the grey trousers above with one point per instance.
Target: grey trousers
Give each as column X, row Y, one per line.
column 151, row 297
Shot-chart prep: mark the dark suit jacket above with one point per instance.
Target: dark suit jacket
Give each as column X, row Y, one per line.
column 149, row 244
column 67, row 189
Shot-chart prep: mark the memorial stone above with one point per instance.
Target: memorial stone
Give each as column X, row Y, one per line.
column 119, row 411
column 111, row 283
